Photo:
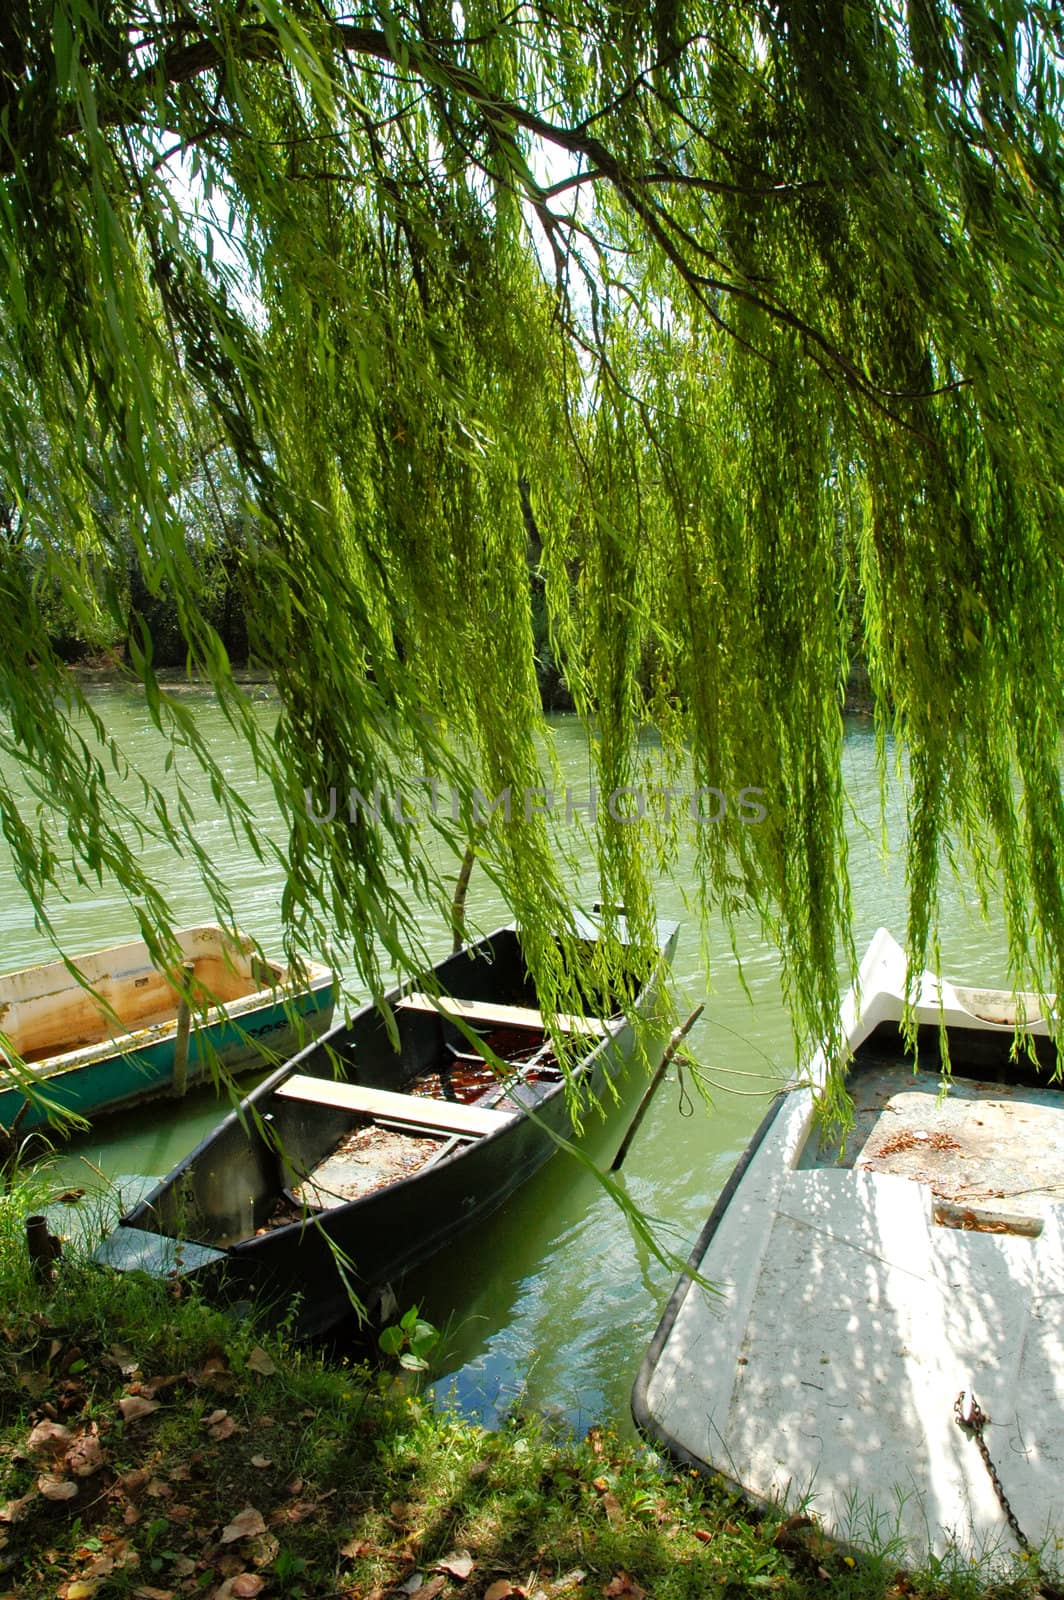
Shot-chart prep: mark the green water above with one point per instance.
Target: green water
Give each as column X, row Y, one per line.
column 553, row 1303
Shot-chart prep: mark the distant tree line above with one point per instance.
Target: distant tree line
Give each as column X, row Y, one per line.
column 140, row 613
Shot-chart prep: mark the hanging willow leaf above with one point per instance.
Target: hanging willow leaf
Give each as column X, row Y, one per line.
column 750, row 314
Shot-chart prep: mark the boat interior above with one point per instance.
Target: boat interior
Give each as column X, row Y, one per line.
column 988, row 1138
column 358, row 1113
column 47, row 1011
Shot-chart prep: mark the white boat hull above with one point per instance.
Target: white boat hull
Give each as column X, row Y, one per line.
column 858, row 1301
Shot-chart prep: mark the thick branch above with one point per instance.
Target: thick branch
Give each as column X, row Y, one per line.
column 188, row 61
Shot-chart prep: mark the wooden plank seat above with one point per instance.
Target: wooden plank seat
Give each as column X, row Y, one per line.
column 499, row 1016
column 408, row 1110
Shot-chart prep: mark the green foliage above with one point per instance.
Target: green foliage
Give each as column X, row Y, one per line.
column 411, row 1339
column 737, row 305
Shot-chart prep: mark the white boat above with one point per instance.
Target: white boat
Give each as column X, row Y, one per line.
column 103, row 1031
column 862, row 1292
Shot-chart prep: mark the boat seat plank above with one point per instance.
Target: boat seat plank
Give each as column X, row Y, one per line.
column 415, row 1111
column 501, row 1016
column 157, row 1254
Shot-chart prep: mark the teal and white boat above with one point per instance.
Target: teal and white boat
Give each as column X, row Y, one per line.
column 107, row 1029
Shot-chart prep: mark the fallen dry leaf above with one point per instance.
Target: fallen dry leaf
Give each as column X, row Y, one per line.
column 459, row 1564
column 146, row 1592
column 702, row 1536
column 245, row 1585
column 224, row 1429
column 152, row 1387
column 80, row 1589
column 48, row 1439
column 789, row 1527
column 501, row 1590
column 84, row 1456
column 612, row 1507
column 263, row 1549
column 182, row 1567
column 244, row 1524
column 262, row 1462
column 568, row 1580
column 56, row 1488
column 354, row 1548
column 215, row 1417
column 133, row 1406
column 158, row 1490
column 622, row 1585
column 123, row 1359
column 123, row 1552
column 301, row 1510
column 15, row 1510
column 429, row 1591
column 215, row 1375
column 260, row 1362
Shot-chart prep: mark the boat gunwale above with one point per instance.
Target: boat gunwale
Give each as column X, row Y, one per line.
column 641, row 1413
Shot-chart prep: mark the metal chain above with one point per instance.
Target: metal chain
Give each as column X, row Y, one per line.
column 973, row 1425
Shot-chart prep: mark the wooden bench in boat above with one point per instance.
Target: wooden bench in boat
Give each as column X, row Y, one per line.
column 413, row 1111
column 499, row 1016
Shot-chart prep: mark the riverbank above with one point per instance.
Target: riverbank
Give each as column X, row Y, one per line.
column 106, row 669
column 152, row 1446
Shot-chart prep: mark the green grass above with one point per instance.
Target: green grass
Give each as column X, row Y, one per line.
column 261, row 1469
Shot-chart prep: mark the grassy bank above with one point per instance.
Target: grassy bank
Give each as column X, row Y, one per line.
column 151, row 1446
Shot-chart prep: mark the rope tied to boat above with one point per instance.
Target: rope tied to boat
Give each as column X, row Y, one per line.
column 973, row 1425
column 685, row 1105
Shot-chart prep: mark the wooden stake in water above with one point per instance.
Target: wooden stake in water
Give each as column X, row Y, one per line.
column 43, row 1248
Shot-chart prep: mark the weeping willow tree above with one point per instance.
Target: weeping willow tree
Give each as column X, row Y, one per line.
column 752, row 312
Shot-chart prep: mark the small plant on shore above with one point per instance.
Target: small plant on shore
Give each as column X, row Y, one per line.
column 411, row 1340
